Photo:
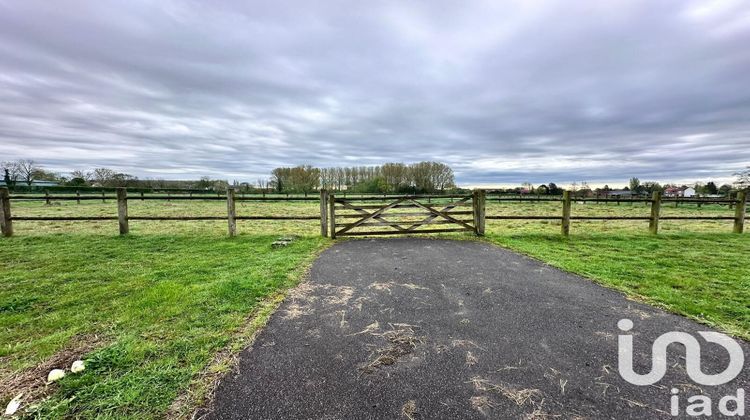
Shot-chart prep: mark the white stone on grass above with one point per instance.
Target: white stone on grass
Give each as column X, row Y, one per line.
column 55, row 375
column 78, row 366
column 13, row 405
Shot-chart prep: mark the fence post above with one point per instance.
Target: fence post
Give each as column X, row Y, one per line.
column 653, row 224
column 566, row 213
column 122, row 210
column 6, row 222
column 739, row 212
column 78, row 197
column 332, row 215
column 103, row 201
column 141, row 195
column 324, row 213
column 232, row 223
column 46, row 197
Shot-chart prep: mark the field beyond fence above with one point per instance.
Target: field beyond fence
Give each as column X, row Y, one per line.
column 126, row 207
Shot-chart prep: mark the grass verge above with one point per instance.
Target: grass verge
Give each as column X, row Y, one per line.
column 704, row 276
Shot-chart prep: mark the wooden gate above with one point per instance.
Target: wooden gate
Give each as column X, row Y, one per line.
column 404, row 215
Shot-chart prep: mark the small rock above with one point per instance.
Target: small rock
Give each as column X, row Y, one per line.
column 78, row 366
column 55, row 375
column 13, row 405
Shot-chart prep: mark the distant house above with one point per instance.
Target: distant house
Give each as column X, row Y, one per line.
column 619, row 193
column 680, row 192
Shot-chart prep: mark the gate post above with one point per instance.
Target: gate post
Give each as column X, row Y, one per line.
column 6, row 221
column 478, row 207
column 324, row 213
column 739, row 212
column 332, row 216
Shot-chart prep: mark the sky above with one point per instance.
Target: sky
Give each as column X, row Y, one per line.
column 504, row 92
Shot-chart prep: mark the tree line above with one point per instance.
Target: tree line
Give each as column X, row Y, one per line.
column 24, row 172
column 421, row 177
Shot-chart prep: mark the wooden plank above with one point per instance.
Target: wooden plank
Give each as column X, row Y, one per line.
column 497, row 217
column 653, row 224
column 365, row 213
column 415, row 223
column 739, row 212
column 408, row 197
column 122, row 210
column 370, row 216
column 66, row 218
column 394, row 232
column 6, row 220
column 566, row 214
column 231, row 213
column 446, row 216
column 332, row 215
column 444, row 210
column 375, row 206
column 324, row 213
column 404, row 214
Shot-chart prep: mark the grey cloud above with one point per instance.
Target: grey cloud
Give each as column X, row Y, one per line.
column 505, row 93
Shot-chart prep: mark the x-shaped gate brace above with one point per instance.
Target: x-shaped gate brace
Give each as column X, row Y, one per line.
column 378, row 215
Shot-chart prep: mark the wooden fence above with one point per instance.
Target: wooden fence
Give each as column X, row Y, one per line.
column 328, row 215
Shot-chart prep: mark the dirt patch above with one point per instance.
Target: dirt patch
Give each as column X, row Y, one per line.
column 401, row 341
column 409, row 410
column 532, row 398
column 387, row 286
column 32, row 382
column 481, row 403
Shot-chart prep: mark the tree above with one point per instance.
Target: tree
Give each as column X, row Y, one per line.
column 11, row 173
column 635, row 185
column 27, row 169
column 76, row 182
column 554, row 189
column 711, row 188
column 649, row 187
column 743, row 179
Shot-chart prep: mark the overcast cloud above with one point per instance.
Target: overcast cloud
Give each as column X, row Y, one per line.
column 504, row 92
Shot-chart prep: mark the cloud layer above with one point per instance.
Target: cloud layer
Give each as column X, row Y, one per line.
column 504, row 92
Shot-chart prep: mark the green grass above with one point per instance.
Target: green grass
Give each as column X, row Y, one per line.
column 163, row 304
column 169, row 297
column 704, row 276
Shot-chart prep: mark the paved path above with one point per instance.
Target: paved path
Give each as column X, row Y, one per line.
column 437, row 329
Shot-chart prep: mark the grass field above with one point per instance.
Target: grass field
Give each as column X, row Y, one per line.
column 151, row 310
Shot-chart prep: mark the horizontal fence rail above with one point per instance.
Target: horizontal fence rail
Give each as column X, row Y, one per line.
column 347, row 215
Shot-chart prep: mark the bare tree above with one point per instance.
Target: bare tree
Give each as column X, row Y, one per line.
column 743, row 179
column 27, row 169
column 11, row 173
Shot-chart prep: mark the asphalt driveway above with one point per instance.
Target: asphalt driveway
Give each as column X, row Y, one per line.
column 424, row 328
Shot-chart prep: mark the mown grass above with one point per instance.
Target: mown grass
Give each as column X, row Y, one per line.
column 163, row 304
column 168, row 297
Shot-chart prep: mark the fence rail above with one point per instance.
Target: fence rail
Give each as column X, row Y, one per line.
column 430, row 213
